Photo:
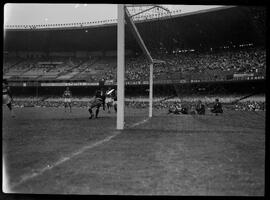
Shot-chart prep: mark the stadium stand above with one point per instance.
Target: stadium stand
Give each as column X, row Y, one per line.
column 203, row 65
column 17, row 71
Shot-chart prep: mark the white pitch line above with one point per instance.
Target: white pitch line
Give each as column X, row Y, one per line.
column 39, row 172
column 139, row 123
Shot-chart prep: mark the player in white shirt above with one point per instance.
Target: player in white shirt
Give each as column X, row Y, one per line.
column 109, row 99
column 67, row 99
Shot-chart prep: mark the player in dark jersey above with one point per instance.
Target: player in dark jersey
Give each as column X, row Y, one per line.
column 97, row 102
column 114, row 97
column 217, row 108
column 67, row 99
column 7, row 97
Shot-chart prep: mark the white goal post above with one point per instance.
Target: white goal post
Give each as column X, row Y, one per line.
column 120, row 67
column 123, row 15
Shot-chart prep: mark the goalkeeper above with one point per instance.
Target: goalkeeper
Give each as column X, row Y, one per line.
column 97, row 102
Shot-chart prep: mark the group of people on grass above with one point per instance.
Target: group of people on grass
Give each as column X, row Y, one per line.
column 199, row 109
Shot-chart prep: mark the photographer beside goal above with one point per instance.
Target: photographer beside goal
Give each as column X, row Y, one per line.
column 217, row 108
column 200, row 108
column 177, row 109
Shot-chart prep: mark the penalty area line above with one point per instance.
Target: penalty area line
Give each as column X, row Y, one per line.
column 40, row 171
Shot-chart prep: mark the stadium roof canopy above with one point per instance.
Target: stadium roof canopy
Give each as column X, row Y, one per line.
column 29, row 15
column 197, row 30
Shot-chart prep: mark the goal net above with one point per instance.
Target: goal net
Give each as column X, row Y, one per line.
column 181, row 75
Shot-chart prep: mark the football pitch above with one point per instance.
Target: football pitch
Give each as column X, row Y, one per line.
column 48, row 151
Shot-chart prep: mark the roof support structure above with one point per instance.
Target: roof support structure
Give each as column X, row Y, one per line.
column 151, row 9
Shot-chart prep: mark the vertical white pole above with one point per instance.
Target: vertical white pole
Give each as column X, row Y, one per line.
column 151, row 91
column 120, row 67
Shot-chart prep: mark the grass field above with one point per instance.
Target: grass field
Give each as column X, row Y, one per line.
column 49, row 151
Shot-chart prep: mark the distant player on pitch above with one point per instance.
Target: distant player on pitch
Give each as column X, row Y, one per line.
column 7, row 97
column 97, row 102
column 67, row 99
column 109, row 99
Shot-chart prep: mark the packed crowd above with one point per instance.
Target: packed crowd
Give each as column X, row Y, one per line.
column 206, row 64
column 250, row 105
column 39, row 103
column 188, row 64
column 244, row 61
column 137, row 69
